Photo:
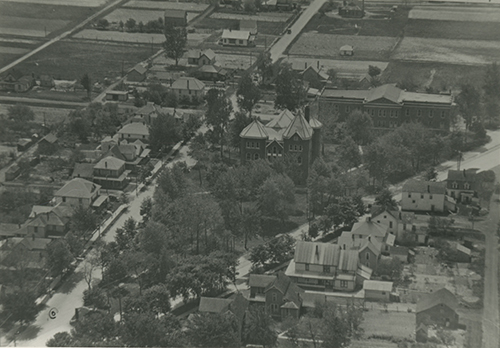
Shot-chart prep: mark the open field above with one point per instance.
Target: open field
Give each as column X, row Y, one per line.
column 233, row 61
column 395, row 324
column 82, row 3
column 269, row 28
column 332, row 24
column 29, row 26
column 167, row 5
column 447, row 51
column 12, row 50
column 123, row 14
column 265, row 17
column 456, row 14
column 345, row 68
column 138, row 38
column 46, row 12
column 6, row 58
column 326, row 45
column 67, row 60
column 454, row 30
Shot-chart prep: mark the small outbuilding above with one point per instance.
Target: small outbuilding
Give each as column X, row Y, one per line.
column 438, row 308
column 117, row 95
column 376, row 290
column 347, row 50
column 137, row 74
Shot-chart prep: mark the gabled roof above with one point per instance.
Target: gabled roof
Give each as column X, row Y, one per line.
column 209, row 68
column 282, row 121
column 314, row 123
column 346, row 48
column 39, row 209
column 321, row 74
column 254, row 130
column 390, row 239
column 208, row 53
column 146, row 109
column 291, row 292
column 377, row 285
column 463, row 249
column 235, row 34
column 188, row 83
column 110, row 162
column 36, row 243
column 388, row 91
column 51, row 138
column 367, row 228
column 260, row 280
column 175, row 13
column 134, row 128
column 214, row 304
column 348, row 260
column 78, row 188
column 462, row 175
column 299, row 126
column 317, row 253
column 372, row 244
column 114, row 151
column 441, row 296
column 140, row 69
column 83, row 170
column 418, row 186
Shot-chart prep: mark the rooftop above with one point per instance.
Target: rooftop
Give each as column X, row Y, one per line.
column 377, row 285
column 418, row 186
column 441, row 296
column 317, row 253
column 175, row 13
column 137, row 128
column 254, row 130
column 78, row 188
column 260, row 280
column 368, row 228
column 110, row 162
column 299, row 126
column 188, row 83
column 462, row 175
column 235, row 34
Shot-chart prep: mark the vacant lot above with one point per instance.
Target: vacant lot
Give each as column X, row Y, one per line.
column 43, row 11
column 67, row 60
column 456, row 14
column 12, row 50
column 138, row 38
column 325, row 45
column 269, row 28
column 166, row 5
column 453, row 30
column 29, row 26
column 448, row 51
column 82, row 3
column 395, row 324
column 234, row 61
column 344, row 68
column 144, row 16
column 332, row 24
column 266, row 17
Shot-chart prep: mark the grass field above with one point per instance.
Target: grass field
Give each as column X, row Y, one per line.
column 265, row 17
column 395, row 324
column 455, row 30
column 325, row 45
column 446, row 75
column 267, row 28
column 44, row 11
column 137, row 38
column 233, row 61
column 330, row 24
column 167, row 5
column 82, row 3
column 456, row 14
column 12, row 50
column 448, row 51
column 354, row 68
column 67, row 60
column 29, row 26
column 42, row 114
column 123, row 14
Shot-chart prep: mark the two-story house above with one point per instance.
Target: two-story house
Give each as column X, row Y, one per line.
column 462, row 185
column 134, row 131
column 47, row 221
column 426, row 196
column 397, row 222
column 78, row 193
column 280, row 296
column 110, row 173
column 323, row 267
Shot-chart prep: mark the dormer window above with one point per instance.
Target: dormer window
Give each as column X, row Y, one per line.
column 295, row 137
column 307, row 267
column 326, row 269
column 466, row 186
column 454, row 185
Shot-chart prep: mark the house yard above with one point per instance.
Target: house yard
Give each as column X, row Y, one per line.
column 166, row 5
column 379, row 323
column 344, row 68
column 264, row 17
column 123, row 14
column 455, row 14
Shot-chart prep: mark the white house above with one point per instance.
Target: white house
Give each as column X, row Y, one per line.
column 134, row 130
column 424, row 196
column 78, row 193
column 236, row 38
column 377, row 290
column 397, row 222
column 188, row 87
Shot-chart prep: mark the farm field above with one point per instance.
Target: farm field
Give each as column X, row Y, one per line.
column 144, row 16
column 345, row 68
column 395, row 324
column 138, row 38
column 29, row 26
column 447, row 51
column 46, row 12
column 13, row 50
column 455, row 30
column 68, row 60
column 167, row 5
column 265, row 17
column 82, row 3
column 267, row 28
column 456, row 14
column 326, row 45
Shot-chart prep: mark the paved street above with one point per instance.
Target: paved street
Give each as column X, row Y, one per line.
column 280, row 46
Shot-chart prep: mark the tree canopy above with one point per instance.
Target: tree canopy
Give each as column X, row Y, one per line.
column 175, row 42
column 290, row 91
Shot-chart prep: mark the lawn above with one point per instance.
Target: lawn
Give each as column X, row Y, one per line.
column 447, row 51
column 30, row 26
column 167, row 5
column 332, row 24
column 485, row 14
column 123, row 14
column 45, row 11
column 43, row 114
column 134, row 38
column 326, row 45
column 453, row 30
column 266, row 17
column 66, row 60
column 378, row 323
column 345, row 68
column 446, row 76
column 263, row 27
column 82, row 3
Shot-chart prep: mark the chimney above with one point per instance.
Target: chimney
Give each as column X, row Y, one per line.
column 105, row 164
column 307, row 113
column 188, row 84
column 317, row 250
column 317, row 65
column 369, row 238
column 429, row 188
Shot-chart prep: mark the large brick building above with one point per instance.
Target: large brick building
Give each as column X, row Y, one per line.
column 297, row 136
column 389, row 106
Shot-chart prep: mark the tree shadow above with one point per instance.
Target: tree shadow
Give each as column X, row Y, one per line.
column 29, row 332
column 70, row 282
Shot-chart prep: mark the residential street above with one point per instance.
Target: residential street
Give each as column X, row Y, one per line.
column 280, row 46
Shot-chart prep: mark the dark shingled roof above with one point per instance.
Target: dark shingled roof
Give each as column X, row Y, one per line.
column 260, row 280
column 462, row 175
column 442, row 296
column 291, row 292
column 418, row 186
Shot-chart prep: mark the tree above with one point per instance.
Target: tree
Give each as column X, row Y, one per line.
column 431, row 174
column 468, row 101
column 86, row 82
column 258, row 328
column 83, row 220
column 219, row 109
column 349, row 155
column 145, row 330
column 250, row 224
column 20, row 113
column 60, row 339
column 214, row 330
column 20, row 306
column 340, row 325
column 359, row 125
column 392, row 268
column 95, row 329
column 130, row 24
column 384, row 199
column 125, row 236
column 146, row 209
column 445, row 336
column 158, row 299
column 59, row 257
column 290, row 91
column 265, row 66
column 373, row 71
column 276, row 197
column 102, row 23
column 247, row 92
column 95, row 297
column 241, row 120
column 332, row 74
column 163, row 132
column 491, row 85
column 175, row 42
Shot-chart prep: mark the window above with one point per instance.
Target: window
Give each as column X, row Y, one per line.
column 419, row 112
column 367, row 256
column 307, row 267
column 442, row 114
column 274, row 149
column 80, row 201
column 385, row 113
column 467, row 186
column 299, row 160
column 257, row 145
column 241, row 42
column 347, row 108
column 275, row 297
column 380, row 112
column 390, row 224
column 343, row 283
column 36, row 229
column 249, row 156
column 189, row 91
column 385, row 216
column 255, row 156
column 409, row 195
column 407, row 112
column 431, row 113
column 372, row 112
column 413, row 201
column 422, row 196
column 454, row 185
column 404, row 227
column 383, row 292
column 336, row 107
column 326, row 269
column 290, row 147
column 430, row 196
column 274, row 307
column 64, row 199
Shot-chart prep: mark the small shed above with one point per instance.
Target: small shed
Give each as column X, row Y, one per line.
column 400, row 252
column 175, row 18
column 347, row 50
column 23, row 144
column 12, row 172
column 463, row 253
column 117, row 95
column 137, row 74
column 376, row 290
